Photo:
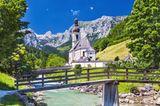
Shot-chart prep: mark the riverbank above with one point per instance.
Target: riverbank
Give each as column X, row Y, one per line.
column 146, row 94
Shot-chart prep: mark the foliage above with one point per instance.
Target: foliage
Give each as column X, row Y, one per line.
column 36, row 58
column 110, row 67
column 55, row 61
column 101, row 44
column 24, row 59
column 132, row 64
column 77, row 69
column 18, row 62
column 116, row 58
column 64, row 49
column 11, row 12
column 8, row 83
column 11, row 100
column 143, row 27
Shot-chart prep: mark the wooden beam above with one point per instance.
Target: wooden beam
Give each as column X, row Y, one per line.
column 110, row 94
column 59, row 86
column 139, row 81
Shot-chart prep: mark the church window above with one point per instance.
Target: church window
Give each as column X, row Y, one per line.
column 83, row 54
column 77, row 37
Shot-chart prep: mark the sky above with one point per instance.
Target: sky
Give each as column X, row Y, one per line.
column 58, row 15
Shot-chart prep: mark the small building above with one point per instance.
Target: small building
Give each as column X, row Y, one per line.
column 82, row 52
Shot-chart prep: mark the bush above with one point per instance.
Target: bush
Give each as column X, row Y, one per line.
column 110, row 67
column 77, row 69
column 134, row 90
column 116, row 58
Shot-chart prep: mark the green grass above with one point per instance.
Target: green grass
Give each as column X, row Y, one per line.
column 111, row 52
column 11, row 100
column 123, row 87
column 6, row 82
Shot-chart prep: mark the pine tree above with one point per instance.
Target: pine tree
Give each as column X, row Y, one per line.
column 11, row 12
column 143, row 26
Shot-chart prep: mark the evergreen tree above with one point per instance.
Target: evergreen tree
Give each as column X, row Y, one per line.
column 11, row 12
column 143, row 26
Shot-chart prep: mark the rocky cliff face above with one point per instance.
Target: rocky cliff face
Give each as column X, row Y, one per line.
column 93, row 29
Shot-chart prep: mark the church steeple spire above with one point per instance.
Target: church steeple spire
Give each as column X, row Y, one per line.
column 75, row 33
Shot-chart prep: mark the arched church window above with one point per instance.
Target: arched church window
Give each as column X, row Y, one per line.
column 77, row 37
column 83, row 54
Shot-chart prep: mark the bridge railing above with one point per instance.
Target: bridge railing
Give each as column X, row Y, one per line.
column 67, row 75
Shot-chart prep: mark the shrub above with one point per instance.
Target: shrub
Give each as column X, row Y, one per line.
column 77, row 69
column 134, row 90
column 110, row 67
column 116, row 58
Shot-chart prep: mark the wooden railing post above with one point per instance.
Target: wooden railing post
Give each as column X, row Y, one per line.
column 66, row 76
column 126, row 73
column 17, row 86
column 42, row 79
column 88, row 75
column 110, row 94
column 145, row 74
column 108, row 74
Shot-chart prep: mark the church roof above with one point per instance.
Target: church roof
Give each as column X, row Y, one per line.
column 83, row 44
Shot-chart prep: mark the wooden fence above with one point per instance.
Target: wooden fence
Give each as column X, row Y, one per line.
column 67, row 75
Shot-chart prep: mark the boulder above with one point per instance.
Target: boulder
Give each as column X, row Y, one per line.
column 158, row 101
column 123, row 95
column 148, row 100
column 148, row 87
column 141, row 89
column 31, row 104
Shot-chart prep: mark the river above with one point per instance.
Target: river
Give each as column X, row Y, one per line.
column 65, row 97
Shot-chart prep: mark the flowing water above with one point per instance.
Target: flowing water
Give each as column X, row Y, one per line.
column 70, row 98
column 65, row 97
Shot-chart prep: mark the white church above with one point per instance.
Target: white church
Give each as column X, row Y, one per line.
column 82, row 52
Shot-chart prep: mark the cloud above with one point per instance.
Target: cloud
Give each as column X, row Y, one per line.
column 75, row 12
column 92, row 8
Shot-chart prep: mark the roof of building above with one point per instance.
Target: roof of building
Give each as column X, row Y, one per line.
column 83, row 44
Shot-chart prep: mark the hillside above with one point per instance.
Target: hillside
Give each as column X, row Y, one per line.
column 6, row 84
column 111, row 52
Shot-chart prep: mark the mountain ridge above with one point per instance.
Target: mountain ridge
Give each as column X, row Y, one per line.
column 94, row 29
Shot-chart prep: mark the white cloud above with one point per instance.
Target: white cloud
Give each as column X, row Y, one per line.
column 92, row 8
column 75, row 12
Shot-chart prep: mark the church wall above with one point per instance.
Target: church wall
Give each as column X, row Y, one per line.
column 90, row 64
column 70, row 57
column 93, row 55
column 78, row 54
column 75, row 55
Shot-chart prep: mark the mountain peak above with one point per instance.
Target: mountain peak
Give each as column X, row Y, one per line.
column 94, row 29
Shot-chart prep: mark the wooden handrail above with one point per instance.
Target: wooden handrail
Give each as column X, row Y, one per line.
column 66, row 76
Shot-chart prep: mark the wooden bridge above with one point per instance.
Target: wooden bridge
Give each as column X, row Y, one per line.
column 67, row 77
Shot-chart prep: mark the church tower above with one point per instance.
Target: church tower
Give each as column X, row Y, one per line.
column 75, row 33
